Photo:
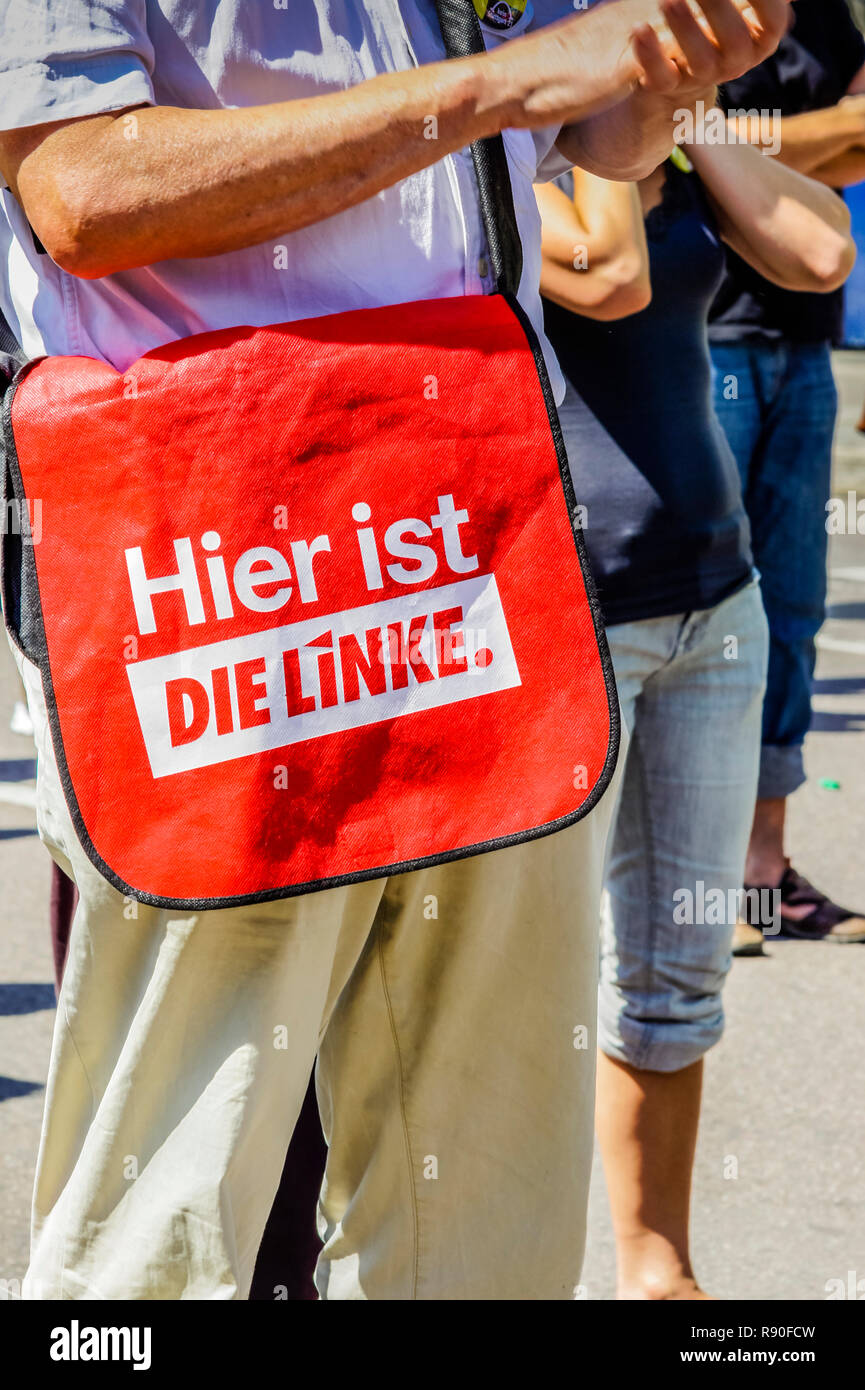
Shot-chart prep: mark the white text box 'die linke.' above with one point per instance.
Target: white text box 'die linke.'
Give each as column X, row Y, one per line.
column 322, row 675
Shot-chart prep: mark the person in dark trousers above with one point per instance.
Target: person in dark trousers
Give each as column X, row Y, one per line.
column 776, row 398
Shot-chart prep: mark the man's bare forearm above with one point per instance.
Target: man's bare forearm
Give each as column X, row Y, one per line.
column 843, row 171
column 200, row 183
column 813, row 138
column 128, row 189
column 105, row 195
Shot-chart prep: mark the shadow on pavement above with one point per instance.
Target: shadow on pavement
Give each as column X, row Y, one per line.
column 17, row 769
column 840, row 685
column 10, row 1089
column 824, row 722
column 846, row 612
column 26, row 999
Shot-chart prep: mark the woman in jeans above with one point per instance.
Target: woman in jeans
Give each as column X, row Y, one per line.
column 669, row 543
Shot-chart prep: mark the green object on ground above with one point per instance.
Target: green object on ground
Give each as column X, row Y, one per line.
column 830, row 784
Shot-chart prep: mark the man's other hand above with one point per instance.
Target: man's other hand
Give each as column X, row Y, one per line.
column 674, row 49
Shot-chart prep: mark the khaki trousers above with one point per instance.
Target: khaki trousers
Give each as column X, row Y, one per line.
column 453, row 1014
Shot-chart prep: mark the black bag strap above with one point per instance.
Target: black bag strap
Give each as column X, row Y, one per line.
column 462, row 36
column 8, row 342
column 12, row 356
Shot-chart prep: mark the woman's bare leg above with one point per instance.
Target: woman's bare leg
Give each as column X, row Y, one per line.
column 647, row 1127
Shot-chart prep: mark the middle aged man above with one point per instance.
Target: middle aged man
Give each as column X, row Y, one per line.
column 156, row 151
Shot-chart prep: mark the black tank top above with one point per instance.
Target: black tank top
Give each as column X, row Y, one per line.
column 666, row 529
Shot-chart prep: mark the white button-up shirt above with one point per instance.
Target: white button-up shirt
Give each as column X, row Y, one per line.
column 420, row 239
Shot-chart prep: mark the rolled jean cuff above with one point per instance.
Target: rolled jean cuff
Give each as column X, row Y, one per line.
column 666, row 1047
column 782, row 770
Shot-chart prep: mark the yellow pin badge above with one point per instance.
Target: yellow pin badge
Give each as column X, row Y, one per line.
column 504, row 18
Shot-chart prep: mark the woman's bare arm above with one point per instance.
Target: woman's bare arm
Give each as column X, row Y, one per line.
column 595, row 259
column 793, row 230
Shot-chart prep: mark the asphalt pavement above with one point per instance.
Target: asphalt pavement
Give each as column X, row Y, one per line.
column 778, row 1200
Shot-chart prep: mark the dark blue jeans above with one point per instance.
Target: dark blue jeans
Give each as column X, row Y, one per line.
column 777, row 403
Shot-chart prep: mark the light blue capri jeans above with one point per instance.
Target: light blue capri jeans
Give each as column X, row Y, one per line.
column 691, row 688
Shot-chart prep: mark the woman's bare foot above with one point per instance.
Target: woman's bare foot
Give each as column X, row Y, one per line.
column 685, row 1288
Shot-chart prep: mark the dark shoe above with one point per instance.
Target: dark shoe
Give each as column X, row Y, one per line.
column 825, row 922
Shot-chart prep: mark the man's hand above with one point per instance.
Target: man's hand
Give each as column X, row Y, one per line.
column 677, row 61
column 714, row 41
column 673, row 50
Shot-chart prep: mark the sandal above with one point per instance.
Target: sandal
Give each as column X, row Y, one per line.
column 747, row 940
column 825, row 922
